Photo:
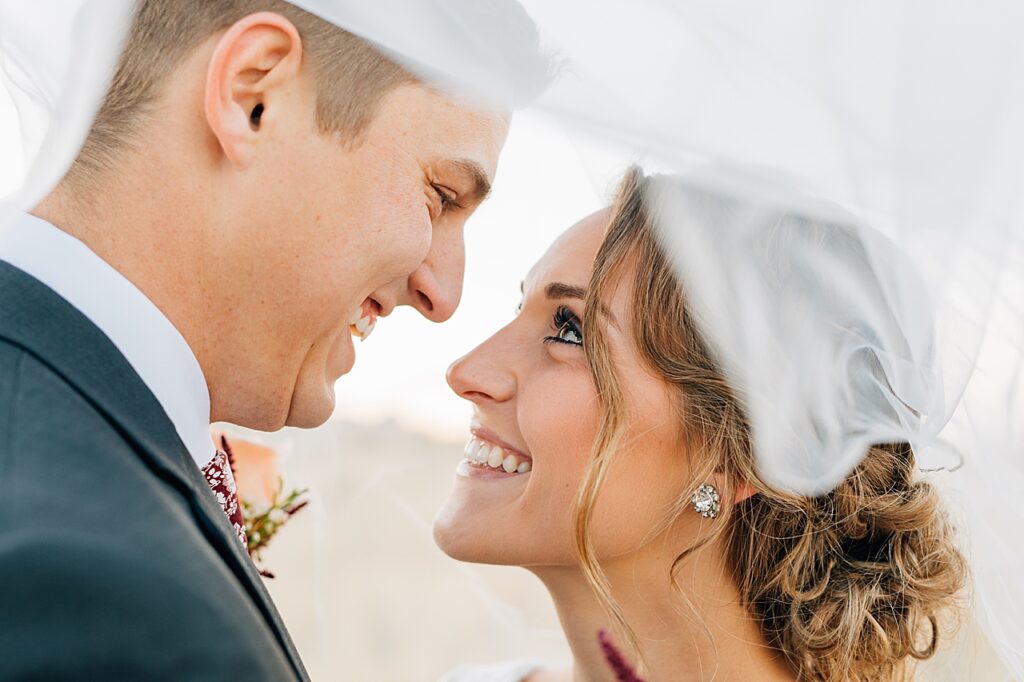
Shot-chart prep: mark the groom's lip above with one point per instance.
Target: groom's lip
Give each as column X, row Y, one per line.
column 382, row 308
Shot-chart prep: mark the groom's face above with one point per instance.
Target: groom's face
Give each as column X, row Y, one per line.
column 343, row 233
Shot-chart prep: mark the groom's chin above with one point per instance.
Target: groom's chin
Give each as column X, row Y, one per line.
column 310, row 409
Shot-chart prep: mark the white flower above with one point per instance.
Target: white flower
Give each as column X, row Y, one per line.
column 259, row 509
column 278, row 516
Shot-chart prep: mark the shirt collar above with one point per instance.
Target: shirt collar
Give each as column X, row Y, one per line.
column 154, row 348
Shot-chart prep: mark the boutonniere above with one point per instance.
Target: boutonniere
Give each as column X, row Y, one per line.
column 266, row 504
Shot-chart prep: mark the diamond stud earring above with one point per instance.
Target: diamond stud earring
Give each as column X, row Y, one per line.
column 706, row 502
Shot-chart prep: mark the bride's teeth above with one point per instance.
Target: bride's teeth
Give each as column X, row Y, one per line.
column 356, row 316
column 362, row 325
column 483, row 453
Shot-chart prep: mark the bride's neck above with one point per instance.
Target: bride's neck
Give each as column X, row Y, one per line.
column 714, row 637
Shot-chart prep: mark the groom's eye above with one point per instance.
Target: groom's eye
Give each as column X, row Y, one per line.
column 447, row 198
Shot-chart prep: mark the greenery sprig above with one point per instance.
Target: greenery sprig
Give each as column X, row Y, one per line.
column 262, row 522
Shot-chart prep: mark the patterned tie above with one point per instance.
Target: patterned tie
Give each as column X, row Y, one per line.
column 222, row 482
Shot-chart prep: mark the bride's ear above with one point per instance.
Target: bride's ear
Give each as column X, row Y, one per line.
column 744, row 490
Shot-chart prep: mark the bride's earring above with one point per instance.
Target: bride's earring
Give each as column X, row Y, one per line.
column 706, row 502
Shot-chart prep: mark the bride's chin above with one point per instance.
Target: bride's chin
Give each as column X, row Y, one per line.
column 461, row 540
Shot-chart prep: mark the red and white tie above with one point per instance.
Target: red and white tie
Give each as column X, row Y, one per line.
column 222, row 482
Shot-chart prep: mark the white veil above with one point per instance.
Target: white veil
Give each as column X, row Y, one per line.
column 900, row 122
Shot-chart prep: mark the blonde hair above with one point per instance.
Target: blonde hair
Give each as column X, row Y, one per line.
column 352, row 76
column 846, row 586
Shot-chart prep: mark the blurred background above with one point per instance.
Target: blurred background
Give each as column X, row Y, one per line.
column 364, row 590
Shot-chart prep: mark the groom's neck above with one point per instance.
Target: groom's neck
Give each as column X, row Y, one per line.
column 147, row 221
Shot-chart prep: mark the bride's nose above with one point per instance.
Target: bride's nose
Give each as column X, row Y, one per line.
column 481, row 376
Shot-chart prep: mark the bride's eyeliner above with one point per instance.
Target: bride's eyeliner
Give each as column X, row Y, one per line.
column 566, row 322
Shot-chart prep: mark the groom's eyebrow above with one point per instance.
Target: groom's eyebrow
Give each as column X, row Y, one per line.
column 474, row 175
column 560, row 290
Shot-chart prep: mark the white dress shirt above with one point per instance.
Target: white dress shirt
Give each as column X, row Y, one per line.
column 152, row 345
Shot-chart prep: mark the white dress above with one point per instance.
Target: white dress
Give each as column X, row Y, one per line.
column 507, row 671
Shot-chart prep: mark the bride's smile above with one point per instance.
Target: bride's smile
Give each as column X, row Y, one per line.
column 488, row 456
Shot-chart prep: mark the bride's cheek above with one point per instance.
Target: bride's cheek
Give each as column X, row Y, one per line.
column 562, row 423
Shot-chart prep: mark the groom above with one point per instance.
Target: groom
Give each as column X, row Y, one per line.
column 257, row 187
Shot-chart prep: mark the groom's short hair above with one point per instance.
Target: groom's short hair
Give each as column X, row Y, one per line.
column 352, row 76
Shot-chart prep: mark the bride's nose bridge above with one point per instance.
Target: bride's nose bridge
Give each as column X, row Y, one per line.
column 487, row 371
column 502, row 360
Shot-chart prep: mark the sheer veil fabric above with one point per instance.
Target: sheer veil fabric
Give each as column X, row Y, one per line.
column 867, row 160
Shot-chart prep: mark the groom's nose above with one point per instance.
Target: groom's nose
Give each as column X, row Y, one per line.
column 435, row 287
column 435, row 295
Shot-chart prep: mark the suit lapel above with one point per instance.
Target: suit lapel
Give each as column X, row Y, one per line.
column 46, row 326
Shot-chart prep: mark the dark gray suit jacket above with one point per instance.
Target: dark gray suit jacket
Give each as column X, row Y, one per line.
column 116, row 562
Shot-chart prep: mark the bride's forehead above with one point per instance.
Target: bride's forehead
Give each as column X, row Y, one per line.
column 570, row 258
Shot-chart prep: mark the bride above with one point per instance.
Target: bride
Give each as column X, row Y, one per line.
column 612, row 459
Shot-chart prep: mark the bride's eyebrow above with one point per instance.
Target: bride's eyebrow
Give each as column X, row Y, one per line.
column 560, row 290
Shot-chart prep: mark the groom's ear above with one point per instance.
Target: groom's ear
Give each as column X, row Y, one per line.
column 251, row 66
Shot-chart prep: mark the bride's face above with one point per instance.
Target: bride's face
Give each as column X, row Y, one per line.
column 536, row 410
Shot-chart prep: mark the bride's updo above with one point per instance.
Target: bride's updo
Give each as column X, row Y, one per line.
column 850, row 585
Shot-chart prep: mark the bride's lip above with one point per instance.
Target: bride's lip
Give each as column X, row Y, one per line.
column 483, row 433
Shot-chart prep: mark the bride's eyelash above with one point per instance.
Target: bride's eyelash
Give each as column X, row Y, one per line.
column 566, row 322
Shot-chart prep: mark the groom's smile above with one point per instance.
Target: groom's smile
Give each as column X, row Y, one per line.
column 364, row 319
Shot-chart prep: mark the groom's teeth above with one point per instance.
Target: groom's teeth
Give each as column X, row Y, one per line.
column 483, row 453
column 369, row 329
column 356, row 316
column 363, row 326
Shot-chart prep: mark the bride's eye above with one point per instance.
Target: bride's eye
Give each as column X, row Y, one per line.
column 567, row 328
